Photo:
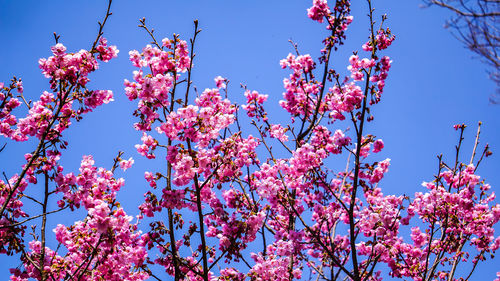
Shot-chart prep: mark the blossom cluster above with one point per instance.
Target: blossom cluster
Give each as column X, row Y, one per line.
column 152, row 90
column 47, row 118
column 300, row 95
column 457, row 214
column 106, row 241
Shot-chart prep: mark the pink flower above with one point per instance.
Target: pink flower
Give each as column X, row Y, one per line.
column 319, row 10
column 220, row 82
column 378, row 145
column 254, row 103
column 166, row 43
column 106, row 53
column 384, row 39
column 278, row 132
column 126, row 164
column 147, row 147
column 99, row 97
column 367, row 47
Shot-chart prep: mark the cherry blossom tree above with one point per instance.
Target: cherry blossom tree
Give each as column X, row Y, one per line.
column 239, row 197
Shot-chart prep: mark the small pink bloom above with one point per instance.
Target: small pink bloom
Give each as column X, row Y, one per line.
column 220, row 82
column 126, row 164
column 378, row 145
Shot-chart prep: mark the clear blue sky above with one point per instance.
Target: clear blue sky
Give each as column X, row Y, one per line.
column 433, row 84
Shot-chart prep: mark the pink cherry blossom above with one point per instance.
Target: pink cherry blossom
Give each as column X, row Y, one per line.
column 126, row 164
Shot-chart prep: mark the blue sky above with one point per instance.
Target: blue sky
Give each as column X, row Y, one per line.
column 433, row 83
